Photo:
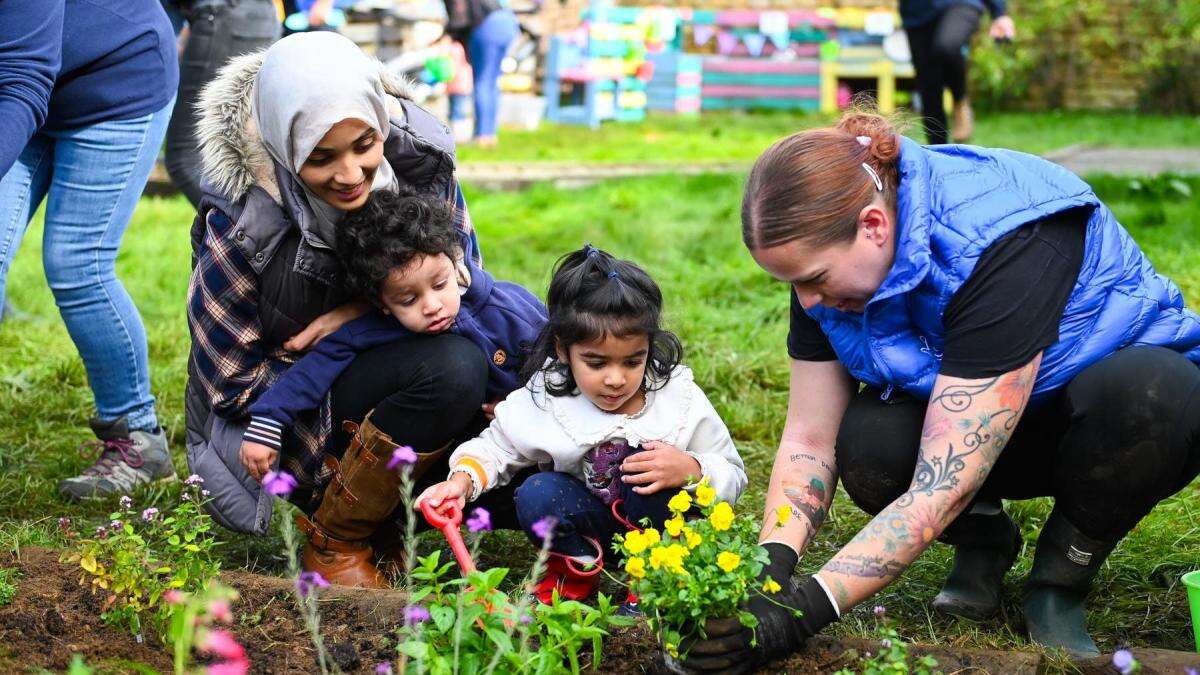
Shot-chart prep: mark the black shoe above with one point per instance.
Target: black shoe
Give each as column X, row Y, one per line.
column 985, row 547
column 1064, row 566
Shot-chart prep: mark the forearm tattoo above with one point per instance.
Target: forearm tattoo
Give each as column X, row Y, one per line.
column 809, row 496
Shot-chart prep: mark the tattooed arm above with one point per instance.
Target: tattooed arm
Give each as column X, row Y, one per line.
column 967, row 424
column 805, row 472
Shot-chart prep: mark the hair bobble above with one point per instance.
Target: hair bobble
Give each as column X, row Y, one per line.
column 612, row 274
column 864, row 141
column 590, row 251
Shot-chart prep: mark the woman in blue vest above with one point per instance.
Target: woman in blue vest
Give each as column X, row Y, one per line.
column 1012, row 341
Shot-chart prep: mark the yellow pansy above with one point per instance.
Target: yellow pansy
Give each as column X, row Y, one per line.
column 680, row 502
column 783, row 514
column 771, row 586
column 728, row 561
column 635, row 542
column 705, row 494
column 693, row 539
column 635, row 567
column 672, row 650
column 651, row 536
column 721, row 516
column 674, row 526
column 658, row 556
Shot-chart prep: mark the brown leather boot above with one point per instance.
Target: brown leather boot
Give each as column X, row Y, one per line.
column 362, row 494
column 964, row 121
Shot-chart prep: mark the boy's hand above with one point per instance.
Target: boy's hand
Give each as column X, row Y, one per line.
column 659, row 466
column 257, row 458
column 441, row 495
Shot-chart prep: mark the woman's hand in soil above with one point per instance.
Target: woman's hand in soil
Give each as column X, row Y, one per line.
column 728, row 646
column 326, row 324
column 659, row 466
column 257, row 458
column 441, row 495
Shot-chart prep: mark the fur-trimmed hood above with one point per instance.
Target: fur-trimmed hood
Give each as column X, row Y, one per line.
column 232, row 152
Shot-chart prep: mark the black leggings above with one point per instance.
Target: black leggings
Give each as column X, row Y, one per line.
column 426, row 392
column 1121, row 437
column 939, row 57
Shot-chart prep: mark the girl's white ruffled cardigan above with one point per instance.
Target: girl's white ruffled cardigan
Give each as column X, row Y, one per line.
column 555, row 432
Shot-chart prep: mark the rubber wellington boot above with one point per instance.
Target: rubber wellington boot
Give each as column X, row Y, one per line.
column 360, row 497
column 573, row 578
column 986, row 543
column 1064, row 566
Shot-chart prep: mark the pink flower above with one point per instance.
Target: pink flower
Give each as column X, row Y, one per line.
column 480, row 520
column 172, row 596
column 222, row 644
column 279, row 483
column 307, row 581
column 545, row 527
column 402, row 456
column 219, row 611
column 149, row 514
column 231, row 667
column 880, row 610
column 193, row 479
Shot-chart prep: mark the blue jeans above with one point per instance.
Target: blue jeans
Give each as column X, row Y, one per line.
column 485, row 50
column 579, row 513
column 458, row 106
column 91, row 179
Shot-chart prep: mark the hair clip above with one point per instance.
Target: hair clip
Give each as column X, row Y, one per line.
column 874, row 176
column 863, row 140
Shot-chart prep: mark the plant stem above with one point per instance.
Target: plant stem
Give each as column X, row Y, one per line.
column 308, row 606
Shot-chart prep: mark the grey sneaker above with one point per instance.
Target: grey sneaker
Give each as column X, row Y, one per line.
column 128, row 459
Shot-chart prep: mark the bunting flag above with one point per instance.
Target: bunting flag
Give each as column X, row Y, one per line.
column 780, row 40
column 755, row 43
column 702, row 34
column 726, row 42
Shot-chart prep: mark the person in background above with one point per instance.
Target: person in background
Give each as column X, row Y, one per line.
column 487, row 28
column 214, row 32
column 86, row 89
column 939, row 32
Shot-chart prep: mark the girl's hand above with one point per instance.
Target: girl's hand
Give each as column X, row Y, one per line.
column 325, row 324
column 441, row 495
column 489, row 409
column 257, row 458
column 1003, row 29
column 659, row 466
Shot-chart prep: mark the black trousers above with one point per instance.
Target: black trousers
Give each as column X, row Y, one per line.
column 426, row 392
column 939, row 58
column 1121, row 437
column 217, row 31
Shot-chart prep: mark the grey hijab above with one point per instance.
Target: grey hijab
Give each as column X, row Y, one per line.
column 308, row 83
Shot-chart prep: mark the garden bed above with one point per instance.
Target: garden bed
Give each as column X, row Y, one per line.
column 52, row 618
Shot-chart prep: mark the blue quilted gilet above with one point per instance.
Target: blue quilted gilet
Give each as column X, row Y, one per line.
column 956, row 200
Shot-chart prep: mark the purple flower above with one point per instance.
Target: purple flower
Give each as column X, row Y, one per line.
column 126, row 502
column 526, row 619
column 279, row 483
column 880, row 610
column 415, row 614
column 193, row 479
column 1191, row 671
column 149, row 514
column 205, row 493
column 307, row 581
column 1123, row 660
column 402, row 456
column 115, row 525
column 545, row 527
column 64, row 524
column 384, row 668
column 886, row 643
column 101, row 532
column 480, row 520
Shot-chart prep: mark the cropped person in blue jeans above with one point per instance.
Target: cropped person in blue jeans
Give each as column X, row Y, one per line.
column 86, row 91
column 487, row 28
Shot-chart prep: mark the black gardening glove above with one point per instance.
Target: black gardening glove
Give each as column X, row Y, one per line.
column 780, row 632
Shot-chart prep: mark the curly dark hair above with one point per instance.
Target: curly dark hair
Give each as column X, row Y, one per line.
column 387, row 232
column 593, row 294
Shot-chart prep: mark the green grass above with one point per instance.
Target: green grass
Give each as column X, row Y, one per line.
column 730, row 316
column 742, row 136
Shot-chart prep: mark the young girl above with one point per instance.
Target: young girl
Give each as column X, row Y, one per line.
column 612, row 419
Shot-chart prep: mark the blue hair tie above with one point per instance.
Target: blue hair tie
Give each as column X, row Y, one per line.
column 613, row 275
column 591, row 251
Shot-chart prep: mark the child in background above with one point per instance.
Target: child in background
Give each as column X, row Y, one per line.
column 459, row 90
column 616, row 424
column 402, row 252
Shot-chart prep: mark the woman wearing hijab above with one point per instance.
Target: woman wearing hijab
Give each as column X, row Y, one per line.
column 293, row 138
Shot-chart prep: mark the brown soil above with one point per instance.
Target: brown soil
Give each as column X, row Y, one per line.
column 52, row 617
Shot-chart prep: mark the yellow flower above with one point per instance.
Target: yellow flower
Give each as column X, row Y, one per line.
column 672, row 650
column 674, row 526
column 635, row 542
column 635, row 567
column 651, row 536
column 693, row 539
column 658, row 557
column 680, row 502
column 783, row 514
column 705, row 494
column 771, row 586
column 728, row 561
column 721, row 516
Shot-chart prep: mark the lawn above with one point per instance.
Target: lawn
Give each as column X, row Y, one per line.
column 730, row 315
